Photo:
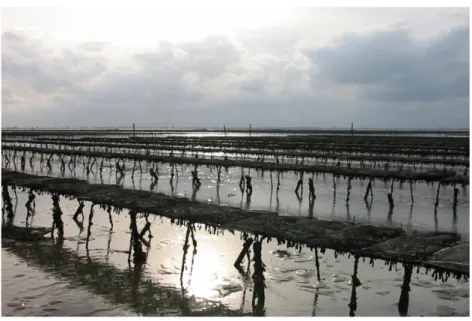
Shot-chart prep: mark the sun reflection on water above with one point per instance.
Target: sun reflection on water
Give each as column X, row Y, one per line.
column 208, row 273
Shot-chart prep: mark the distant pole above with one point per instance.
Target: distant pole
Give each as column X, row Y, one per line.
column 224, row 128
column 352, row 129
column 249, row 130
column 134, row 130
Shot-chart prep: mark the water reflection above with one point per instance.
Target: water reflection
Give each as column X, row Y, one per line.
column 128, row 288
column 258, row 299
column 89, row 230
column 291, row 205
column 354, row 284
column 311, row 205
column 405, row 293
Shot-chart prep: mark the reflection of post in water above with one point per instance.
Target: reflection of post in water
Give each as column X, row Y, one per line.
column 248, row 201
column 454, row 220
column 108, row 246
column 135, row 275
column 16, row 195
column 410, row 218
column 89, row 230
column 132, row 182
column 299, row 186
column 185, row 248
column 349, row 187
column 315, row 304
column 405, row 296
column 437, row 196
column 242, row 182
column 218, row 185
column 246, row 284
column 368, row 205
column 56, row 217
column 171, row 181
column 299, row 197
column 109, row 217
column 317, row 263
column 436, row 224
column 390, row 215
column 195, row 189
column 278, row 184
column 23, row 161
column 147, row 227
column 80, row 210
column 355, row 283
column 31, row 161
column 311, row 205
column 258, row 299
column 30, row 206
column 153, row 184
column 245, row 251
column 139, row 256
column 456, row 193
column 369, row 191
column 7, row 206
column 277, row 203
column 194, row 241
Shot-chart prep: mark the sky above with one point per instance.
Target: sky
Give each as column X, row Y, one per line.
column 205, row 67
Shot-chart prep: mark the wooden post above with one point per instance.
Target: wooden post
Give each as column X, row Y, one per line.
column 134, row 130
column 352, row 129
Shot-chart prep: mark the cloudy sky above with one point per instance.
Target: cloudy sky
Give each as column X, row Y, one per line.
column 310, row 67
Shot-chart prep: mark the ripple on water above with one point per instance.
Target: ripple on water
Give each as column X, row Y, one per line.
column 227, row 289
column 422, row 283
column 281, row 278
column 305, row 273
column 447, row 311
column 451, row 294
column 339, row 278
column 383, row 293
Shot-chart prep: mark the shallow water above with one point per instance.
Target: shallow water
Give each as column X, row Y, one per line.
column 330, row 203
column 106, row 285
column 94, row 286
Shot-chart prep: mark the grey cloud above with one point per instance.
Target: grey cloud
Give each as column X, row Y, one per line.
column 219, row 81
column 394, row 67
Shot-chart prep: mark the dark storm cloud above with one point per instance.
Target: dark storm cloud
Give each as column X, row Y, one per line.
column 392, row 66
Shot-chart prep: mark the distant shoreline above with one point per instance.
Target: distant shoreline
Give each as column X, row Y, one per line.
column 452, row 132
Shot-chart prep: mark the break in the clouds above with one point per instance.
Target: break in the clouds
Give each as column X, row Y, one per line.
column 402, row 68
